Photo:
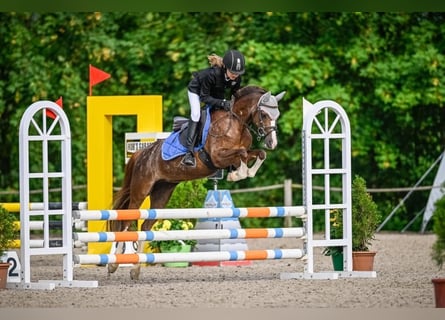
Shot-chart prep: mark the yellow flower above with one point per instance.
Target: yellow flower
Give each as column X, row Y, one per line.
column 336, row 231
column 166, row 225
column 157, row 225
column 172, row 224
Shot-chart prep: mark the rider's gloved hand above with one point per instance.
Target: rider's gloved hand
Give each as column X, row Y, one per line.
column 225, row 104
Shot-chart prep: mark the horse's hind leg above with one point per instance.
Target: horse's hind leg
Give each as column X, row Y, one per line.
column 116, row 226
column 112, row 267
column 136, row 270
column 159, row 197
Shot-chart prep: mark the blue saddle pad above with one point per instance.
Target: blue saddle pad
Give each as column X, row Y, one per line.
column 172, row 147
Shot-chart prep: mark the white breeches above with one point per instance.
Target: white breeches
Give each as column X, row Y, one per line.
column 195, row 106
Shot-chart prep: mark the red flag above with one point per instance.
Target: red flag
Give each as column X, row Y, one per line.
column 51, row 114
column 97, row 76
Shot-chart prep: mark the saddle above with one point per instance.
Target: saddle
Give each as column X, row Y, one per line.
column 175, row 144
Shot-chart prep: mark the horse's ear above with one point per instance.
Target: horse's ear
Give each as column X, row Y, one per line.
column 280, row 95
column 265, row 97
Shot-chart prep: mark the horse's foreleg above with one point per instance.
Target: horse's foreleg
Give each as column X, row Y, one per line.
column 243, row 170
column 238, row 174
column 251, row 172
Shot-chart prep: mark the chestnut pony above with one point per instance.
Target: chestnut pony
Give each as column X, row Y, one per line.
column 227, row 146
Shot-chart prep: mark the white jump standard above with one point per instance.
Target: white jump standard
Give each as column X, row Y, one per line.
column 36, row 129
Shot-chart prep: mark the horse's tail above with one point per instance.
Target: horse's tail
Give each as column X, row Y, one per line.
column 122, row 197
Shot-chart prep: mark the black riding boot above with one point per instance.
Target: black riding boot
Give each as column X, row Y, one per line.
column 189, row 159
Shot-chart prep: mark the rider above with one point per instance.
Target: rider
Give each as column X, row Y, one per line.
column 209, row 86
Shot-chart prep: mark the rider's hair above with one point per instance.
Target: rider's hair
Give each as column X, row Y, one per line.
column 215, row 60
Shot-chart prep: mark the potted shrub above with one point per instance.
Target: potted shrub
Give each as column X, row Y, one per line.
column 365, row 220
column 167, row 246
column 438, row 250
column 8, row 233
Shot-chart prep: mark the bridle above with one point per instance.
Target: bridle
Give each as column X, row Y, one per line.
column 266, row 105
column 262, row 131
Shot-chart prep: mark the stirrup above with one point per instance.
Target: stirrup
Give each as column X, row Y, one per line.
column 189, row 160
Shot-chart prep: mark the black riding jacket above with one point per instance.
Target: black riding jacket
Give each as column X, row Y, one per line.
column 212, row 87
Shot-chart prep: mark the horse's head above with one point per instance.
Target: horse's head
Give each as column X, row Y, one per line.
column 259, row 108
column 265, row 118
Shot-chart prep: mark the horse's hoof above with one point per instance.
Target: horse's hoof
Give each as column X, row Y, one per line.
column 112, row 267
column 134, row 274
column 233, row 176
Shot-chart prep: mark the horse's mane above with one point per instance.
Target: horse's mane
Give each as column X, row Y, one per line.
column 244, row 91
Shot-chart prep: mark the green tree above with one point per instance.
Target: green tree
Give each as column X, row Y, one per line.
column 385, row 69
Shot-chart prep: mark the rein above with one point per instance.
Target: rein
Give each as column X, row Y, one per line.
column 229, row 114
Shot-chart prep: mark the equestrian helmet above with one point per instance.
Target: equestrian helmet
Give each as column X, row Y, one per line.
column 234, row 62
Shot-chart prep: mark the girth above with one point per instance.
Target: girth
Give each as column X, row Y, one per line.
column 205, row 158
